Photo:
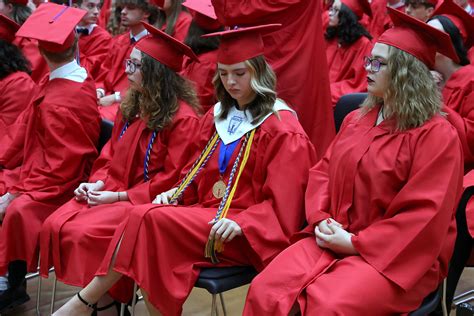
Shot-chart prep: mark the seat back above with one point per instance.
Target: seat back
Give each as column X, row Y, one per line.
column 346, row 104
column 106, row 128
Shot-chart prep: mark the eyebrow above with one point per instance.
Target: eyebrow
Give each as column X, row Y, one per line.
column 238, row 69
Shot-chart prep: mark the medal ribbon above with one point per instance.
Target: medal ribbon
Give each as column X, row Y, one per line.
column 147, row 156
column 211, row 246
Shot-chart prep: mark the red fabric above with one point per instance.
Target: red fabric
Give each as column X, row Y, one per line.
column 29, row 48
column 346, row 67
column 59, row 148
column 469, row 182
column 470, row 55
column 76, row 230
column 397, row 194
column 181, row 27
column 377, row 24
column 94, row 49
column 104, row 14
column 267, row 206
column 18, row 90
column 201, row 74
column 296, row 56
column 458, row 96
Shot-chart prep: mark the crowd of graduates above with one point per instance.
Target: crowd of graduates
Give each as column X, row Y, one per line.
column 224, row 152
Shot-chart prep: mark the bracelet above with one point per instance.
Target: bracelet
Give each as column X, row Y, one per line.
column 118, row 196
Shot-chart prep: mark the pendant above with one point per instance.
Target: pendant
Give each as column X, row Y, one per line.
column 218, row 189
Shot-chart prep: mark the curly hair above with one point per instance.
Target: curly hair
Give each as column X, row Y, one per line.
column 348, row 30
column 157, row 100
column 12, row 60
column 199, row 44
column 263, row 82
column 412, row 97
column 450, row 28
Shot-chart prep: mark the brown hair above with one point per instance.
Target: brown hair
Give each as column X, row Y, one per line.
column 61, row 57
column 144, row 5
column 170, row 20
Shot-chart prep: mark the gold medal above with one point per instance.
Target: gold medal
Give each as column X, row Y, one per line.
column 218, row 189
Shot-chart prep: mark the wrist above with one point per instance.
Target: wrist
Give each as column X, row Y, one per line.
column 101, row 92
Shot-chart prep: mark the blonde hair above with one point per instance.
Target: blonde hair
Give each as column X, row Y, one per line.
column 412, row 97
column 263, row 83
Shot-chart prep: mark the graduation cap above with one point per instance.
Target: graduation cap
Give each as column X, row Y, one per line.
column 8, row 28
column 164, row 48
column 203, row 14
column 240, row 44
column 53, row 26
column 417, row 38
column 463, row 20
column 359, row 7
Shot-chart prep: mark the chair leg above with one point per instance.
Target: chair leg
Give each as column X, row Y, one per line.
column 38, row 295
column 223, row 304
column 214, row 306
column 122, row 309
column 134, row 299
column 53, row 295
column 443, row 298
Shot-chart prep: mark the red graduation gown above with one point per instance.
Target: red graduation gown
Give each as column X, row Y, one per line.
column 29, row 48
column 397, row 192
column 93, row 50
column 181, row 26
column 163, row 246
column 59, row 148
column 295, row 53
column 201, row 74
column 379, row 15
column 104, row 14
column 17, row 91
column 346, row 67
column 469, row 182
column 76, row 230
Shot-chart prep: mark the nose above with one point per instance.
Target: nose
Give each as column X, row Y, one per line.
column 230, row 79
column 124, row 11
column 95, row 9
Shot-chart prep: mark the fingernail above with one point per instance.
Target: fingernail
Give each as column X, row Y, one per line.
column 329, row 221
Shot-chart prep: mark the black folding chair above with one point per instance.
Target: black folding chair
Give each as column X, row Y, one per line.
column 346, row 104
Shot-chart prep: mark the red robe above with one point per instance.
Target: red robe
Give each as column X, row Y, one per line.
column 469, row 182
column 458, row 96
column 76, row 230
column 17, row 91
column 201, row 74
column 181, row 26
column 346, row 67
column 163, row 246
column 29, row 48
column 295, row 53
column 104, row 14
column 59, row 147
column 93, row 50
column 377, row 24
column 397, row 192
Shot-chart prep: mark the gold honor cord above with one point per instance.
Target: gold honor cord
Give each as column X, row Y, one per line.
column 212, row 246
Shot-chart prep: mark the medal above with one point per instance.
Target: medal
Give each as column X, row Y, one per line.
column 218, row 189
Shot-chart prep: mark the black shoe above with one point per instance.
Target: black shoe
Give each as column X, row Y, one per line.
column 465, row 309
column 13, row 297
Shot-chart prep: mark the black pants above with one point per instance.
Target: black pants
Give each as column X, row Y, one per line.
column 16, row 273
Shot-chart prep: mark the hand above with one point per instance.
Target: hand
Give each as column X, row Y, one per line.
column 339, row 241
column 82, row 191
column 165, row 197
column 5, row 201
column 100, row 93
column 324, row 226
column 102, row 197
column 224, row 230
column 437, row 77
column 107, row 100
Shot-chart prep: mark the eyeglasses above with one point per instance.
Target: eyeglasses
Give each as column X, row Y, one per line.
column 131, row 65
column 374, row 64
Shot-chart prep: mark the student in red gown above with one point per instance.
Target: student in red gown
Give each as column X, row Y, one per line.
column 201, row 73
column 59, row 146
column 296, row 53
column 248, row 193
column 420, row 9
column 347, row 42
column 16, row 85
column 380, row 205
column 143, row 158
column 172, row 19
column 456, row 79
column 112, row 82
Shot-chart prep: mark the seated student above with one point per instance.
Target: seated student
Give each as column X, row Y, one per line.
column 144, row 157
column 347, row 42
column 456, row 79
column 58, row 148
column 16, row 85
column 380, row 205
column 420, row 9
column 252, row 172
column 112, row 80
column 172, row 19
column 202, row 72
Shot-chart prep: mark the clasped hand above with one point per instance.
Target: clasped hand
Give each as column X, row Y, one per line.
column 331, row 235
column 5, row 201
column 165, row 197
column 91, row 193
column 224, row 230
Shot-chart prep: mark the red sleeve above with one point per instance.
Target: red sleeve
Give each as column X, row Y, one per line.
column 66, row 153
column 177, row 155
column 268, row 226
column 411, row 236
column 96, row 52
column 182, row 26
column 245, row 10
column 465, row 129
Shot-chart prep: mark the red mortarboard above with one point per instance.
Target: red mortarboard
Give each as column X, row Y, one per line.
column 20, row 2
column 53, row 26
column 164, row 48
column 8, row 28
column 203, row 14
column 463, row 20
column 241, row 44
column 158, row 3
column 433, row 2
column 417, row 38
column 359, row 7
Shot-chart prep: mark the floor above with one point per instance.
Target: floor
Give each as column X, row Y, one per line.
column 198, row 303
